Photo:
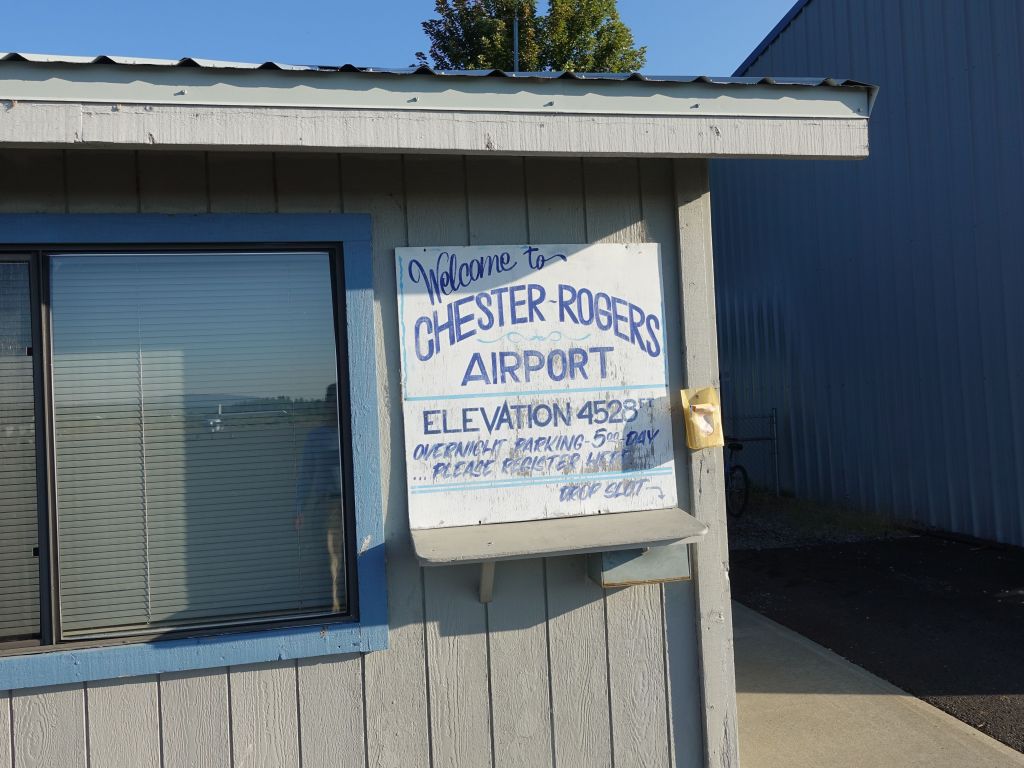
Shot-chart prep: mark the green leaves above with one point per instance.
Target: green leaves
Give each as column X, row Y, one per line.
column 477, row 34
column 589, row 36
column 575, row 35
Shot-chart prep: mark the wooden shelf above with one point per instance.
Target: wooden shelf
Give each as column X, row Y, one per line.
column 555, row 536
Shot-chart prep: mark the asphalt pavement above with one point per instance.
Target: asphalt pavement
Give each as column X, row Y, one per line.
column 940, row 619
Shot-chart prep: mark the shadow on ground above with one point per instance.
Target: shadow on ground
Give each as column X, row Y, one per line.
column 941, row 619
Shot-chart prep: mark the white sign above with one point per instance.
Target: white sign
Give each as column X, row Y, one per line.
column 534, row 382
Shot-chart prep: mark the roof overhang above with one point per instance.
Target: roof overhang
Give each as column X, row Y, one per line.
column 46, row 103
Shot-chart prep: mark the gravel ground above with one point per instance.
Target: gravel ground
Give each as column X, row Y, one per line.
column 941, row 619
column 771, row 522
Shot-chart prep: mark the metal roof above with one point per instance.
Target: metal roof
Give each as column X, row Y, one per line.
column 777, row 30
column 131, row 101
column 136, row 61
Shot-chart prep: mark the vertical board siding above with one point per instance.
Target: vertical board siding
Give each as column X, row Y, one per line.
column 456, row 621
column 49, row 727
column 874, row 303
column 331, row 713
column 460, row 702
column 683, row 674
column 264, row 715
column 99, row 182
column 516, row 618
column 241, row 182
column 307, row 183
column 195, row 719
column 578, row 671
column 636, row 676
column 657, row 199
column 32, row 182
column 263, row 698
column 173, row 182
column 102, row 181
column 553, row 671
column 6, row 732
column 396, row 682
column 706, row 477
column 636, row 662
column 331, row 700
column 194, row 706
column 124, row 723
column 520, row 694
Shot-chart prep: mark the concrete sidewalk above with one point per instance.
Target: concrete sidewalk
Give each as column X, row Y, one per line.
column 802, row 705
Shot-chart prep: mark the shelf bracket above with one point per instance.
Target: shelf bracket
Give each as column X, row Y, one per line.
column 486, row 581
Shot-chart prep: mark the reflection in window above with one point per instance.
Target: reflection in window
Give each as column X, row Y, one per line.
column 196, row 440
column 19, row 568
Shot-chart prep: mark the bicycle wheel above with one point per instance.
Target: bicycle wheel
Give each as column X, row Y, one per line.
column 737, row 490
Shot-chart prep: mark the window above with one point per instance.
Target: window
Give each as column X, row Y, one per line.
column 19, row 567
column 177, row 438
column 196, row 443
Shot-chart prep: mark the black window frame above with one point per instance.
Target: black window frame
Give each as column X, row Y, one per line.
column 38, row 256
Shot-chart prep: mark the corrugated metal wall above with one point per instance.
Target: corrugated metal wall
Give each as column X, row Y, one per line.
column 553, row 671
column 879, row 304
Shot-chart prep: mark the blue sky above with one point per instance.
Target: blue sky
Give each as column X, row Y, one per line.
column 683, row 37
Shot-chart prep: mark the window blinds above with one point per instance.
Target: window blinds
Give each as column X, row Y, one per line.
column 196, row 440
column 19, row 569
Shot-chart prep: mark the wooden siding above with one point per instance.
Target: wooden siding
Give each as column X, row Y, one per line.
column 554, row 671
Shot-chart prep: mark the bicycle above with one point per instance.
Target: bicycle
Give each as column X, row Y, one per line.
column 737, row 481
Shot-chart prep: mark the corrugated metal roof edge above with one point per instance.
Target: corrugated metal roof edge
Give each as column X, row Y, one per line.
column 770, row 37
column 134, row 61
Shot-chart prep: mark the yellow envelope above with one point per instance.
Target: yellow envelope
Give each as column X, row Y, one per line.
column 702, row 411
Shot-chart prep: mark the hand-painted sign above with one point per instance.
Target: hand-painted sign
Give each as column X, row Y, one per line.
column 534, row 382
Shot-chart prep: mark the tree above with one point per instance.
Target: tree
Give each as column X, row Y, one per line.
column 588, row 36
column 477, row 34
column 575, row 35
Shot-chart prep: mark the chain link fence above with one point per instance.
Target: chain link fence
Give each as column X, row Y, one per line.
column 759, row 436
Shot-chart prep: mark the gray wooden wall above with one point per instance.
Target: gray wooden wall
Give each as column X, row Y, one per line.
column 554, row 671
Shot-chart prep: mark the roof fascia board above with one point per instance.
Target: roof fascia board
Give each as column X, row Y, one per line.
column 118, row 84
column 139, row 126
column 777, row 30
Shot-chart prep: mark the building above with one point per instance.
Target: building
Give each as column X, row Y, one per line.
column 874, row 305
column 201, row 308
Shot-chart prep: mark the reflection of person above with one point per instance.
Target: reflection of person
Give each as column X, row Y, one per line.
column 318, row 488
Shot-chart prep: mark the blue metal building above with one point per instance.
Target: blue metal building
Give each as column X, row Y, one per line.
column 878, row 305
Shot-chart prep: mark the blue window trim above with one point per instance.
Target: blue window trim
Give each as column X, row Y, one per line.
column 352, row 232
